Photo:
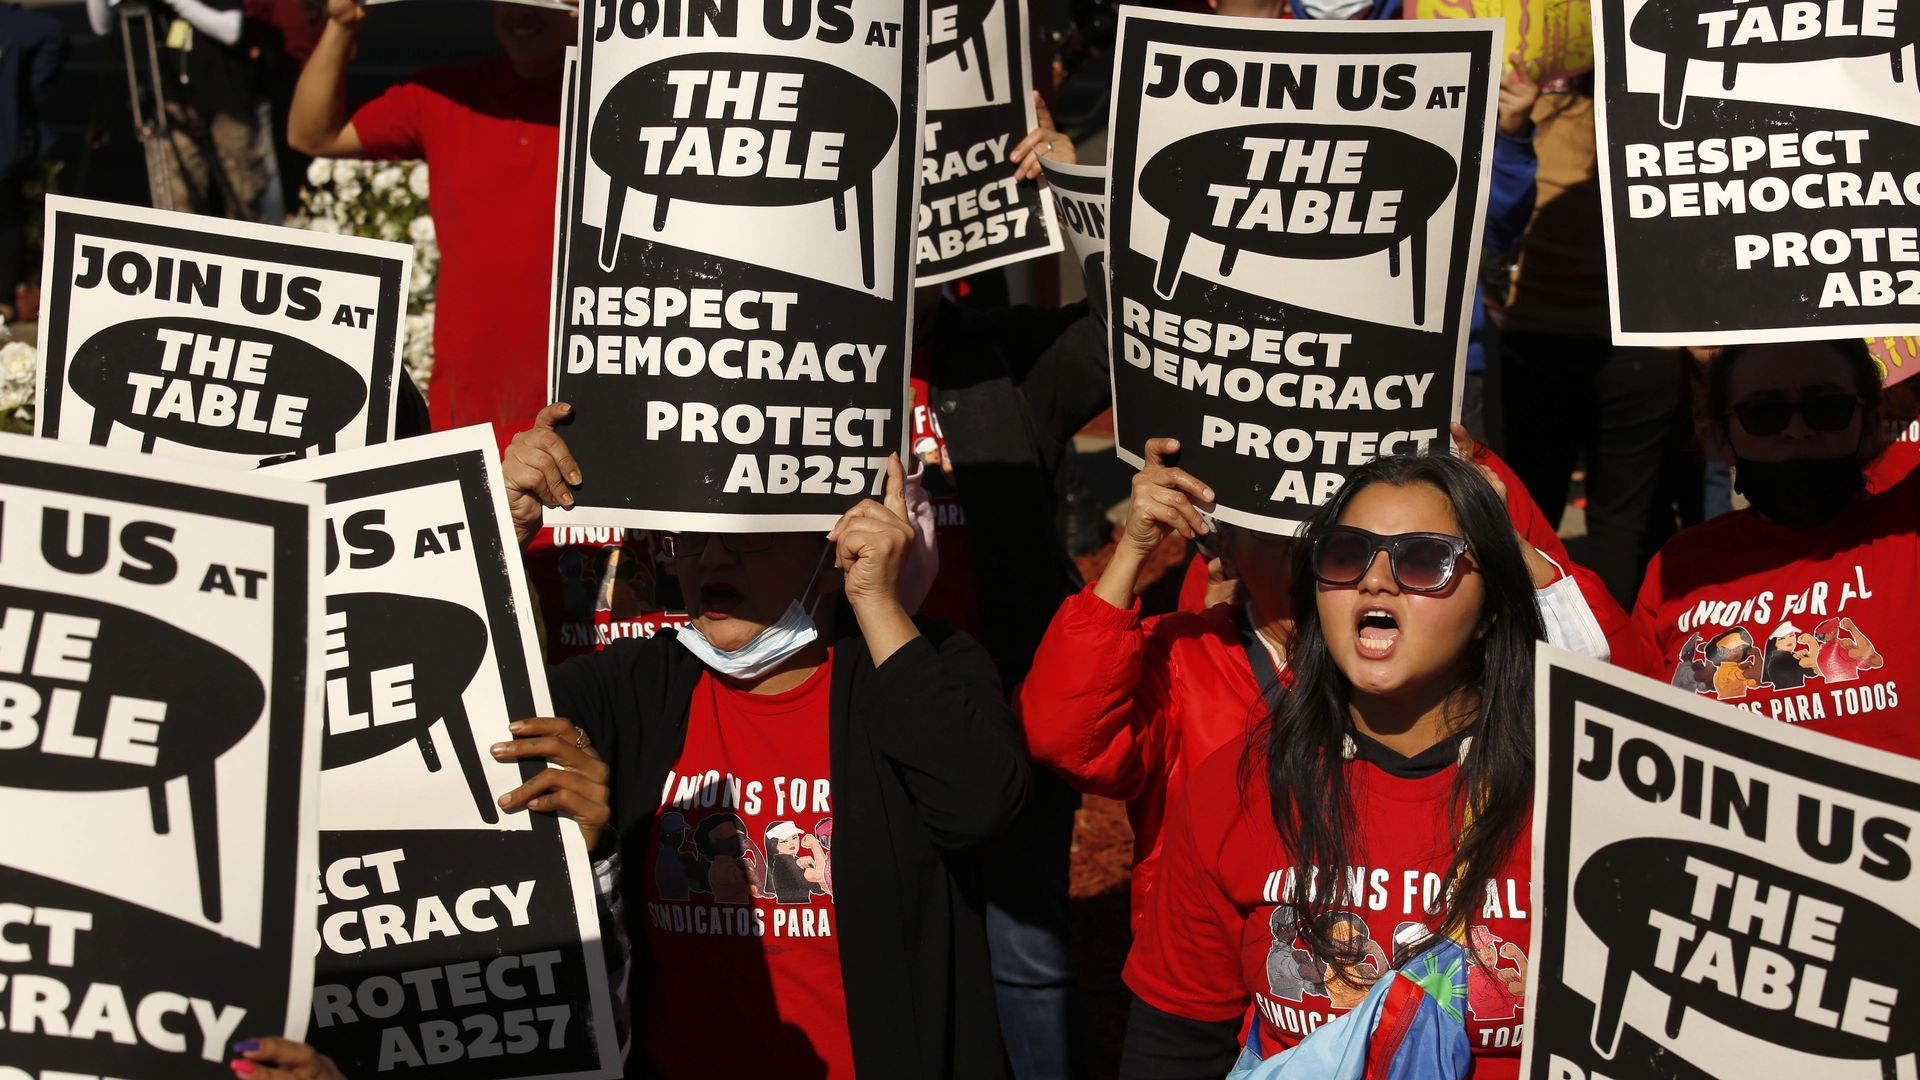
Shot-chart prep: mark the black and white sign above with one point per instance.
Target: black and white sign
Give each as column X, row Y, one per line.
column 213, row 340
column 1080, row 200
column 159, row 753
column 1716, row 895
column 1760, row 161
column 1295, row 208
column 562, row 213
column 737, row 292
column 455, row 940
column 973, row 214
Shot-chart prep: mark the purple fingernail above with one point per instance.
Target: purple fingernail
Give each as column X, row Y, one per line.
column 246, row 1046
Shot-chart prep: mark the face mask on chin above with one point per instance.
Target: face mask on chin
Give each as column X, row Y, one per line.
column 1333, row 9
column 1799, row 494
column 769, row 648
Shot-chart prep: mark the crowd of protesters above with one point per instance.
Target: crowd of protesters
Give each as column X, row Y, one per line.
column 943, row 686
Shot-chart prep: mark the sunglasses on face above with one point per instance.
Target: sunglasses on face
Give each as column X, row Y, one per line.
column 689, row 545
column 1420, row 561
column 1826, row 413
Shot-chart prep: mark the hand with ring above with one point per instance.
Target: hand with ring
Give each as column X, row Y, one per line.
column 575, row 783
column 1044, row 141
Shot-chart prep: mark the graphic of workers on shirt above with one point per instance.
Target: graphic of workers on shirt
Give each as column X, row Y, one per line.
column 1495, row 992
column 733, row 864
column 678, row 871
column 1731, row 663
column 796, row 866
column 1348, row 931
column 1291, row 970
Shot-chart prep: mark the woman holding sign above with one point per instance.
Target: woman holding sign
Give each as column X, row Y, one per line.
column 1400, row 762
column 801, row 707
column 1793, row 608
column 1165, row 693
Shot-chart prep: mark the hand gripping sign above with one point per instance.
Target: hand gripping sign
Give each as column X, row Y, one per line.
column 1716, row 894
column 159, row 723
column 218, row 341
column 455, row 940
column 1295, row 211
column 736, row 348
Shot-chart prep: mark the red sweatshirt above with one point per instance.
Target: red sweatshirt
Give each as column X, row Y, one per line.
column 1167, row 693
column 1791, row 623
column 1216, row 938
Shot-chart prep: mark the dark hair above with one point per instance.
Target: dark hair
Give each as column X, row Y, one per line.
column 1866, row 375
column 1301, row 746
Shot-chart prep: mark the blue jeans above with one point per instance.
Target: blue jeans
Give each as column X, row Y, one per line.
column 1041, row 1016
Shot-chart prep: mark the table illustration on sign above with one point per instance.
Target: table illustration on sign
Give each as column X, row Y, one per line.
column 953, row 29
column 197, row 383
column 1769, row 32
column 155, row 702
column 1300, row 191
column 734, row 129
column 428, row 652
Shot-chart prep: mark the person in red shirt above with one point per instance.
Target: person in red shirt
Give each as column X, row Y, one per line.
column 801, row 705
column 1125, row 709
column 489, row 132
column 1400, row 765
column 1791, row 608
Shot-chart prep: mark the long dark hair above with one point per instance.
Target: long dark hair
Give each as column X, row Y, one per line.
column 1301, row 750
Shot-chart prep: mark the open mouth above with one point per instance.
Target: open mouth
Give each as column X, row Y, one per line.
column 1379, row 632
column 719, row 600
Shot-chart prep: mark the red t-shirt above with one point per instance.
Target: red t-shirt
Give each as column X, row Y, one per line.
column 1897, row 460
column 739, row 904
column 597, row 586
column 490, row 140
column 1217, row 936
column 953, row 596
column 1790, row 623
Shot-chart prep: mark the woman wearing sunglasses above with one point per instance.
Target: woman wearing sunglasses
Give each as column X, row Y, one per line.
column 1400, row 763
column 1125, row 708
column 1798, row 422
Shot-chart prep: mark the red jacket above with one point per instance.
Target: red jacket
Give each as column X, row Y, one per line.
column 1125, row 709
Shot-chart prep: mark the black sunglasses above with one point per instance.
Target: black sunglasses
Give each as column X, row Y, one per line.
column 1828, row 413
column 1420, row 561
column 687, row 545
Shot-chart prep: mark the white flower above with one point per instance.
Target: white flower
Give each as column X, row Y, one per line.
column 390, row 230
column 399, row 197
column 421, row 230
column 325, row 225
column 18, row 361
column 349, row 189
column 386, row 178
column 319, row 172
column 417, row 180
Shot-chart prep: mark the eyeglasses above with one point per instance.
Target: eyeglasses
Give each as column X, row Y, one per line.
column 1828, row 412
column 1420, row 561
column 688, row 545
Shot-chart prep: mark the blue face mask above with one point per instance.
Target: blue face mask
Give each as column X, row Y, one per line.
column 769, row 648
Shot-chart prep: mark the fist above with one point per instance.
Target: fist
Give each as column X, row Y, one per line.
column 347, row 13
column 871, row 542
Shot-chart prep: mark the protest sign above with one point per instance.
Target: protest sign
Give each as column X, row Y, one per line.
column 737, row 294
column 562, row 213
column 1716, row 895
column 1898, row 357
column 973, row 214
column 455, row 940
column 1296, row 211
column 213, row 340
column 1552, row 38
column 1080, row 199
column 1760, row 169
column 158, row 760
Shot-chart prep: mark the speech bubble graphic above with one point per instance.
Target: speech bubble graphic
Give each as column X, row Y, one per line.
column 444, row 644
column 239, row 390
column 761, row 158
column 1183, row 181
column 1782, row 32
column 952, row 28
column 1627, row 890
column 109, row 699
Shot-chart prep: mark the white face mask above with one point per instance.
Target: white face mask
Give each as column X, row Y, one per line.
column 769, row 648
column 1332, row 9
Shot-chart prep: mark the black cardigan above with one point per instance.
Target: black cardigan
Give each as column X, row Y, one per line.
column 925, row 763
